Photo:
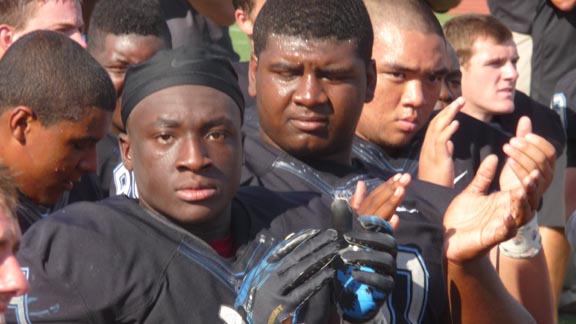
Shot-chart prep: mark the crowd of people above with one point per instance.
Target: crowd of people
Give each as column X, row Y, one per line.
column 366, row 165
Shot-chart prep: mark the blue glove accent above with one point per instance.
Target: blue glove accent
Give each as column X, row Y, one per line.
column 359, row 302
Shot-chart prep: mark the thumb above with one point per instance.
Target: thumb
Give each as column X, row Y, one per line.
column 359, row 195
column 524, row 127
column 484, row 175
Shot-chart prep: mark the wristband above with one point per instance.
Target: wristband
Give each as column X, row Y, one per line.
column 527, row 242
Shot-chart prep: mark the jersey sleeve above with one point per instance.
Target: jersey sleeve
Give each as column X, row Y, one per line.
column 71, row 273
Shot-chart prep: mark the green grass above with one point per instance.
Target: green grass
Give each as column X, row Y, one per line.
column 240, row 42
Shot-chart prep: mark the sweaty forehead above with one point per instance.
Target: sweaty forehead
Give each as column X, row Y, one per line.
column 287, row 45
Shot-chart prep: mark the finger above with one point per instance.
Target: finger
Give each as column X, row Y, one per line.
column 384, row 200
column 526, row 157
column 531, row 184
column 288, row 246
column 299, row 270
column 342, row 215
column 484, row 175
column 388, row 208
column 444, row 136
column 377, row 241
column 379, row 281
column 303, row 292
column 300, row 294
column 394, row 221
column 520, row 209
column 447, row 115
column 378, row 196
column 524, row 126
column 375, row 224
column 543, row 145
column 381, row 262
column 359, row 195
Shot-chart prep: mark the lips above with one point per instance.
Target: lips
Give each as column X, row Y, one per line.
column 195, row 192
column 407, row 124
column 310, row 124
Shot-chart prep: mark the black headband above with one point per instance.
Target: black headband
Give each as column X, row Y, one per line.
column 184, row 65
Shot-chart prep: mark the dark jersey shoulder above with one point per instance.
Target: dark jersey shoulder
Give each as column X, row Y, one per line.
column 420, row 295
column 115, row 262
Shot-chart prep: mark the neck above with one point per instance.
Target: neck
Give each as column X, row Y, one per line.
column 477, row 113
column 342, row 157
column 217, row 228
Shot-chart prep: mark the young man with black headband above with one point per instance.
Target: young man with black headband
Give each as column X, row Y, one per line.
column 147, row 260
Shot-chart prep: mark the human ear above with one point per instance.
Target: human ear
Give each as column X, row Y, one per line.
column 253, row 68
column 6, row 38
column 125, row 150
column 244, row 22
column 21, row 119
column 371, row 77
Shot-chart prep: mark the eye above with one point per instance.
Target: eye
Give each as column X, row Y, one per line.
column 165, row 138
column 433, row 78
column 396, row 76
column 216, row 135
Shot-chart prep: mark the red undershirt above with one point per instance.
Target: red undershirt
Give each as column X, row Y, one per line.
column 224, row 247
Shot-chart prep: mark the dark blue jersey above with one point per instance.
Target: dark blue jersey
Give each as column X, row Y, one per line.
column 117, row 262
column 419, row 295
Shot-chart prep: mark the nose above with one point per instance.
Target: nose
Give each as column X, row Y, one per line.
column 413, row 95
column 89, row 162
column 510, row 71
column 12, row 280
column 78, row 38
column 310, row 91
column 192, row 155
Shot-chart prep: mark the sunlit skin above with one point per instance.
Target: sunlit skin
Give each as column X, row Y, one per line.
column 489, row 79
column 48, row 160
column 12, row 280
column 410, row 65
column 184, row 144
column 63, row 16
column 116, row 54
column 310, row 95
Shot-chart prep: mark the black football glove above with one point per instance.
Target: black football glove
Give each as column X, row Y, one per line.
column 366, row 267
column 287, row 276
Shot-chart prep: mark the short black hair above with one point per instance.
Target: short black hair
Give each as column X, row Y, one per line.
column 124, row 17
column 55, row 77
column 338, row 20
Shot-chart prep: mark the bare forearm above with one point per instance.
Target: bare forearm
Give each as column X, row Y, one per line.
column 219, row 11
column 528, row 282
column 478, row 296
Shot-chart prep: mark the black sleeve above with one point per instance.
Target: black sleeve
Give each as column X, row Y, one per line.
column 72, row 273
